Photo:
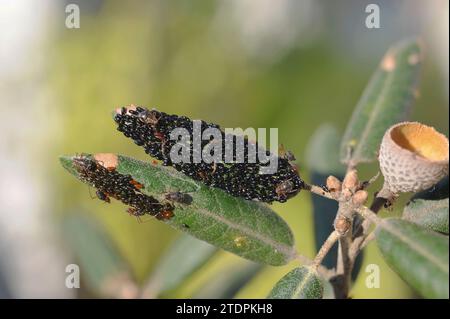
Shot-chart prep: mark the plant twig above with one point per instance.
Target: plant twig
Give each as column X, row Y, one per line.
column 327, row 245
column 319, row 191
column 324, row 271
column 366, row 241
column 362, row 239
column 344, row 268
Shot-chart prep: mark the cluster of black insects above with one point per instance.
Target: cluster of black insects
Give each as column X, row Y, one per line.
column 110, row 183
column 151, row 129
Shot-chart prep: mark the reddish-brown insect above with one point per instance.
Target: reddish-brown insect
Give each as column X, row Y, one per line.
column 165, row 215
column 136, row 184
column 103, row 196
column 284, row 188
column 288, row 155
column 202, row 175
column 160, row 136
column 214, row 168
column 149, row 117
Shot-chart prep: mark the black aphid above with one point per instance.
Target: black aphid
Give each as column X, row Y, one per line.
column 151, row 129
column 110, row 183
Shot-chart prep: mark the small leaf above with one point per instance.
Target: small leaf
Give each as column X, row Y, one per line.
column 246, row 228
column 322, row 153
column 100, row 263
column 385, row 101
column 301, row 283
column 185, row 256
column 419, row 256
column 428, row 213
column 229, row 282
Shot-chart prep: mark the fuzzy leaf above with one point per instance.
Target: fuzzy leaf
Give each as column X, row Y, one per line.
column 385, row 101
column 428, row 213
column 419, row 256
column 248, row 229
column 301, row 283
column 185, row 256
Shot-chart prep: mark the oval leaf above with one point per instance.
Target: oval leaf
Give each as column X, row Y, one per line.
column 322, row 152
column 301, row 283
column 432, row 214
column 233, row 278
column 100, row 262
column 185, row 256
column 419, row 256
column 248, row 229
column 384, row 102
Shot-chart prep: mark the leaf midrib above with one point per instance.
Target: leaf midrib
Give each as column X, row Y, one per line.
column 376, row 110
column 302, row 284
column 416, row 247
column 286, row 250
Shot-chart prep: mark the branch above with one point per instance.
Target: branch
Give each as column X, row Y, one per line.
column 319, row 191
column 362, row 239
column 327, row 245
column 324, row 271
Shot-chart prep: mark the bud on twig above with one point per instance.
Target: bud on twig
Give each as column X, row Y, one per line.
column 342, row 225
column 351, row 180
column 334, row 184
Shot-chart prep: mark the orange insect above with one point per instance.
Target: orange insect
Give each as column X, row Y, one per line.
column 165, row 215
column 136, row 184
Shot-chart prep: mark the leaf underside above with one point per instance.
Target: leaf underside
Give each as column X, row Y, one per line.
column 432, row 214
column 419, row 256
column 300, row 283
column 385, row 101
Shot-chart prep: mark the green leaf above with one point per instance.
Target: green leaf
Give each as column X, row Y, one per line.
column 322, row 152
column 229, row 282
column 419, row 256
column 428, row 213
column 246, row 228
column 385, row 101
column 301, row 283
column 101, row 265
column 184, row 257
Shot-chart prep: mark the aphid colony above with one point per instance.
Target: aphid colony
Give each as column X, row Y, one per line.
column 110, row 183
column 151, row 129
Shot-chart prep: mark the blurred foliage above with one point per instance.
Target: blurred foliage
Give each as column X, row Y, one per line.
column 180, row 57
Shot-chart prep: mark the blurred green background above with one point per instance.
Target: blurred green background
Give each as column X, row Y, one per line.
column 287, row 64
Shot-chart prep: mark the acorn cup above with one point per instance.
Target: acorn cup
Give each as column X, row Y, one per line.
column 413, row 157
